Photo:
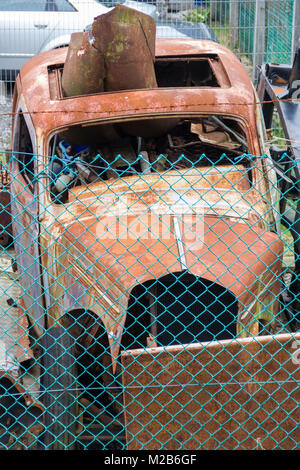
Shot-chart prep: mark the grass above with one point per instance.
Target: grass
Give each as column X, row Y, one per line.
column 222, row 33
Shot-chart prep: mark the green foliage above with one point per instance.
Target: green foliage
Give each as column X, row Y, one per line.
column 197, row 15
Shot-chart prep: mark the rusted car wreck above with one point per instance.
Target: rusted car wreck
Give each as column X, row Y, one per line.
column 142, row 220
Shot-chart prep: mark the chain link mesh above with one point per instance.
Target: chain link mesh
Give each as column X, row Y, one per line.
column 278, row 29
column 151, row 308
column 150, row 294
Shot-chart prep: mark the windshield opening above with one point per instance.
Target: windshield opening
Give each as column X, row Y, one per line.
column 86, row 153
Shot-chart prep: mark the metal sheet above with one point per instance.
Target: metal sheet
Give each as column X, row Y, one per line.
column 116, row 54
column 126, row 38
column 221, row 395
column 83, row 72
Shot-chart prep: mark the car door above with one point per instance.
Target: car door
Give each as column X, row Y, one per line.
column 24, row 207
column 27, row 25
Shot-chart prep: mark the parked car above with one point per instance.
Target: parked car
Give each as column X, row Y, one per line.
column 40, row 25
column 142, row 216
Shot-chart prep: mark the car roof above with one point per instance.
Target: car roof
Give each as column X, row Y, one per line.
column 33, row 83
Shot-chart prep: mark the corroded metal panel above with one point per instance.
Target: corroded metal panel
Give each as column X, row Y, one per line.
column 83, row 72
column 126, row 37
column 238, row 99
column 110, row 234
column 221, row 395
column 116, row 54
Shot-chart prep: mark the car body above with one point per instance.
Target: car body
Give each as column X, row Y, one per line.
column 59, row 114
column 182, row 205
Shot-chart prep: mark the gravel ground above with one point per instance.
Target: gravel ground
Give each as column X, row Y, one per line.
column 9, row 289
column 10, row 329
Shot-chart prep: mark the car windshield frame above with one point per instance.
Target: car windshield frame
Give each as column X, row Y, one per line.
column 250, row 164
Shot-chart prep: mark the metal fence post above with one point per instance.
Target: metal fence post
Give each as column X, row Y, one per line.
column 234, row 22
column 259, row 36
column 296, row 27
column 3, row 96
column 213, row 10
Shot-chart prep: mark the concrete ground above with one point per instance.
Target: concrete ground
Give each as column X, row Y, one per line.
column 13, row 357
column 9, row 289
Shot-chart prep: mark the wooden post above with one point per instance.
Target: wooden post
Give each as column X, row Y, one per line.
column 234, row 22
column 259, row 36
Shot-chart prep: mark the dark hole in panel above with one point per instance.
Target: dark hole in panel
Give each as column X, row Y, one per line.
column 180, row 308
column 185, row 73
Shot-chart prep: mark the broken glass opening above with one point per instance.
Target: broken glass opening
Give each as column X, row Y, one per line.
column 87, row 153
column 186, row 72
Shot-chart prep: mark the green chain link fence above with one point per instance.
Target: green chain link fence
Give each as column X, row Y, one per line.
column 150, row 288
column 278, row 29
column 279, row 32
column 151, row 303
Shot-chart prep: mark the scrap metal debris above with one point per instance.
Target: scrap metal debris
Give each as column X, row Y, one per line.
column 117, row 53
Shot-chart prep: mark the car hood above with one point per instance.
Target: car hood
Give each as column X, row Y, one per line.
column 141, row 228
column 113, row 236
